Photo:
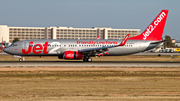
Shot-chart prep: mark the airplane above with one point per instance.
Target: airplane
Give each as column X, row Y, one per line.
column 86, row 48
column 2, row 46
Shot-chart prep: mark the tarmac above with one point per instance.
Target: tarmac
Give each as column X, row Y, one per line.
column 94, row 63
column 87, row 64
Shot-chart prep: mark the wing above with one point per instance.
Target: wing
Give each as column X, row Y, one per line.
column 104, row 48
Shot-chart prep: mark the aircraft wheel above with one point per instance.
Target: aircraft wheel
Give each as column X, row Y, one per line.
column 85, row 59
column 89, row 59
column 20, row 59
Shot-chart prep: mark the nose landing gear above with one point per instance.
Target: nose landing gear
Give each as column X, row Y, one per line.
column 21, row 59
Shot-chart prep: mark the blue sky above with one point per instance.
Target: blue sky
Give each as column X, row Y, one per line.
column 120, row 14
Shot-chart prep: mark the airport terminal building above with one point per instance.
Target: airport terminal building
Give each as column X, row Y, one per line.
column 26, row 33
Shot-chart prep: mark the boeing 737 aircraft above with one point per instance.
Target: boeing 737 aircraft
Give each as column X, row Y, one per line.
column 84, row 49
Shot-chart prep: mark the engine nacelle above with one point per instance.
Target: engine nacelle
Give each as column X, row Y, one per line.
column 72, row 55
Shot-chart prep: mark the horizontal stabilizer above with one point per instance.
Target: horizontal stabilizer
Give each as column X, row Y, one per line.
column 160, row 41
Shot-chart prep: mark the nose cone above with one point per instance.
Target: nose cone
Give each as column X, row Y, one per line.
column 6, row 50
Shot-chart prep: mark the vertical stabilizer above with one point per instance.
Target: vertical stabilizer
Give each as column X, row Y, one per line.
column 155, row 30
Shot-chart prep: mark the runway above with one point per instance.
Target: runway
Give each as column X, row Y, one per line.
column 143, row 53
column 87, row 64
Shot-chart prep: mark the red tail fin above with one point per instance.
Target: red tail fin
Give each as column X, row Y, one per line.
column 155, row 30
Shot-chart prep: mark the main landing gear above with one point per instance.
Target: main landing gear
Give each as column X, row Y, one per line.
column 87, row 59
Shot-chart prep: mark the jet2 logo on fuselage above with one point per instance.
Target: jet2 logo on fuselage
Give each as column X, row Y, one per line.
column 36, row 49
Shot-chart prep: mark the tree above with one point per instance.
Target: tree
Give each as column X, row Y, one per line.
column 168, row 43
column 15, row 40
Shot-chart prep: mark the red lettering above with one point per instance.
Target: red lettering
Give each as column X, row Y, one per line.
column 29, row 49
column 45, row 48
column 96, row 42
column 78, row 42
column 109, row 42
column 36, row 49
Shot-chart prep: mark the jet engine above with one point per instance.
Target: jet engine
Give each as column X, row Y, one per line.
column 72, row 55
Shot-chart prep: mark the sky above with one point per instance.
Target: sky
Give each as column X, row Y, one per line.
column 117, row 14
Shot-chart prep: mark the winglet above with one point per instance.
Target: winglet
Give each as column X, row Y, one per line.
column 98, row 37
column 124, row 41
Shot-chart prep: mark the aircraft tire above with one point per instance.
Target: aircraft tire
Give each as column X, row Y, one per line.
column 89, row 59
column 20, row 60
column 85, row 59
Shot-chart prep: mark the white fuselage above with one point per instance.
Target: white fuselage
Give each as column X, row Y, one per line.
column 57, row 47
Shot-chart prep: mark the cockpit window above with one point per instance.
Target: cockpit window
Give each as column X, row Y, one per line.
column 13, row 45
